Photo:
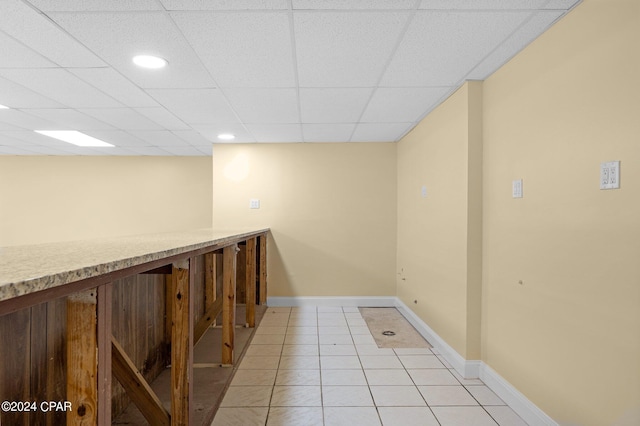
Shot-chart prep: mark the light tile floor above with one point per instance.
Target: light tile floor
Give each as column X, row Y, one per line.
column 320, row 366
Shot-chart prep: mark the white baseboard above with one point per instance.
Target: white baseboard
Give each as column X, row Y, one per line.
column 468, row 369
column 362, row 301
column 519, row 403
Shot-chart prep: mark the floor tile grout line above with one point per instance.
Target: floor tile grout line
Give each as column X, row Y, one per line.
column 405, row 368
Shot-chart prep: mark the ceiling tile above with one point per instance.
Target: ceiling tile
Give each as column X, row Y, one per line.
column 561, row 4
column 118, row 138
column 26, row 121
column 265, row 105
column 32, row 138
column 15, row 95
column 183, row 150
column 406, row 105
column 94, row 5
column 380, row 132
column 70, row 119
column 345, row 49
column 440, row 48
column 7, row 126
column 514, row 44
column 211, row 132
column 130, row 34
column 17, row 55
column 163, row 117
column 160, row 138
column 206, row 150
column 9, row 139
column 481, row 4
column 224, row 4
column 242, row 49
column 33, row 29
column 192, row 137
column 340, row 132
column 122, row 118
column 118, row 87
column 47, row 150
column 150, row 151
column 112, row 150
column 61, row 86
column 12, row 150
column 333, row 105
column 353, row 4
column 276, row 132
column 195, row 106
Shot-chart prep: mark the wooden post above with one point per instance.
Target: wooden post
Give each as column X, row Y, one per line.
column 168, row 316
column 229, row 302
column 250, row 282
column 82, row 358
column 263, row 268
column 210, row 275
column 182, row 343
column 104, row 354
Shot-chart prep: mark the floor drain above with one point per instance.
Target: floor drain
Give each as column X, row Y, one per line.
column 389, row 333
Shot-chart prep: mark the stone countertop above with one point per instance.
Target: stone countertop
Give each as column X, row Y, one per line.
column 30, row 268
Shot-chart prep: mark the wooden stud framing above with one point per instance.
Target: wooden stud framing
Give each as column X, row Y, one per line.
column 104, row 354
column 228, row 302
column 182, row 279
column 210, row 271
column 137, row 387
column 82, row 358
column 207, row 319
column 92, row 355
column 210, row 284
column 250, row 282
column 263, row 268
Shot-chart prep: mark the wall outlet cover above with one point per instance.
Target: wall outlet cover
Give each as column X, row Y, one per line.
column 610, row 175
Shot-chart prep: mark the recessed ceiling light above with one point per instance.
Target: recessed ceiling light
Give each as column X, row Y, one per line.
column 4, row 107
column 74, row 137
column 226, row 137
column 148, row 61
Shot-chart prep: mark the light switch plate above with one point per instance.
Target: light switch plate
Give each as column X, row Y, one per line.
column 423, row 191
column 610, row 175
column 254, row 203
column 516, row 188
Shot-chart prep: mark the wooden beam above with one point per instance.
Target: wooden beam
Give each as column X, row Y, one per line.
column 164, row 269
column 207, row 319
column 210, row 275
column 250, row 282
column 104, row 354
column 263, row 268
column 168, row 312
column 82, row 358
column 182, row 279
column 137, row 387
column 228, row 302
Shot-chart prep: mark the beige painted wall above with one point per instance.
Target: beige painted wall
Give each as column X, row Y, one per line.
column 440, row 235
column 569, row 338
column 45, row 199
column 330, row 207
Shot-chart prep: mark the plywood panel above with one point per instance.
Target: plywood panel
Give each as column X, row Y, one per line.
column 139, row 325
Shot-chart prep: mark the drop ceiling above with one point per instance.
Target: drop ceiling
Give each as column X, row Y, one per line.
column 263, row 70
